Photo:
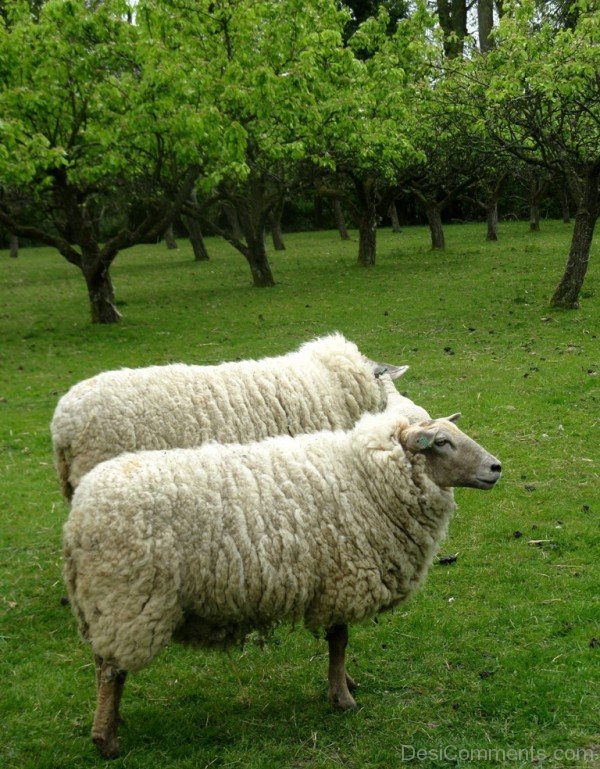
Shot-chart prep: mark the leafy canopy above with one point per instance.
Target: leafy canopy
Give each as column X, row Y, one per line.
column 86, row 91
column 543, row 90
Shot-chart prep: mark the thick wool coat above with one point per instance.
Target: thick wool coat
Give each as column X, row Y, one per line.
column 326, row 384
column 206, row 544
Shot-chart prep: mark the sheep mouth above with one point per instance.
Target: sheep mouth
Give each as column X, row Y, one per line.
column 487, row 483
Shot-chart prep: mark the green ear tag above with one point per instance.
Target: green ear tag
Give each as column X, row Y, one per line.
column 422, row 442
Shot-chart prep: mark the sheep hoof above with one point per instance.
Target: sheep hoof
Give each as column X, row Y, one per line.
column 109, row 748
column 342, row 700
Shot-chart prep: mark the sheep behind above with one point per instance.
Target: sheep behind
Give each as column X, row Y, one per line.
column 325, row 384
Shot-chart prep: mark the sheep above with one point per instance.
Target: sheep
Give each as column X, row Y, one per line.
column 204, row 545
column 325, row 384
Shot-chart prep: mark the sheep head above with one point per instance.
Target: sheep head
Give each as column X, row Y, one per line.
column 453, row 458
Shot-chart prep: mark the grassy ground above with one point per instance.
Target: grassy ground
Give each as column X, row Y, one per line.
column 499, row 652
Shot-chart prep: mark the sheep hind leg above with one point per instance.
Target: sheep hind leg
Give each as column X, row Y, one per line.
column 120, row 683
column 110, row 682
column 339, row 681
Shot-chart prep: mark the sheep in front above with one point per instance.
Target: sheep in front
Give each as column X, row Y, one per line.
column 327, row 384
column 204, row 545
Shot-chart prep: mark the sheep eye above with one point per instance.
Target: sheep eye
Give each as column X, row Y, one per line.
column 441, row 441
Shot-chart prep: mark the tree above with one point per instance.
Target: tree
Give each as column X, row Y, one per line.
column 370, row 120
column 453, row 148
column 543, row 105
column 269, row 63
column 94, row 110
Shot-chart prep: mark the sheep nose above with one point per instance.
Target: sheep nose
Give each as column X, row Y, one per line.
column 496, row 468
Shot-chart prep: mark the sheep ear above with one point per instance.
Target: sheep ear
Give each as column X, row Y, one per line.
column 419, row 438
column 394, row 372
column 454, row 417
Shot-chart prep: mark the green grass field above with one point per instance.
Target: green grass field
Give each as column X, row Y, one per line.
column 495, row 662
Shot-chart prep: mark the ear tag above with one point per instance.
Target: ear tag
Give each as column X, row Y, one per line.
column 380, row 371
column 423, row 442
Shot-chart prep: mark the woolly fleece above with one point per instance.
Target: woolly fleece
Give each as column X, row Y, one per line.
column 206, row 544
column 325, row 385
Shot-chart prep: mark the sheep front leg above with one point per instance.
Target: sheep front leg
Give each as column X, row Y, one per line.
column 110, row 683
column 339, row 680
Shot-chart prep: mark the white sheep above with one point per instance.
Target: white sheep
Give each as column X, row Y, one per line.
column 325, row 384
column 204, row 545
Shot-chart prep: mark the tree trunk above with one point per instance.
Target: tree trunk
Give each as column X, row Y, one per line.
column 539, row 185
column 99, row 224
column 485, row 23
column 492, row 221
column 564, row 203
column 170, row 238
column 340, row 222
column 102, row 296
column 452, row 15
column 260, row 268
column 567, row 291
column 14, row 246
column 367, row 236
column 275, row 222
column 534, row 216
column 253, row 223
column 233, row 221
column 394, row 217
column 196, row 239
column 434, row 219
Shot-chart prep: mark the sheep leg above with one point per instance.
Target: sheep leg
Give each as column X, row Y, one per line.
column 339, row 693
column 120, row 683
column 110, row 683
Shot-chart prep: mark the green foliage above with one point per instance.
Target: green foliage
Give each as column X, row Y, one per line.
column 362, row 10
column 495, row 652
column 373, row 103
column 60, row 94
column 543, row 91
column 85, row 90
column 453, row 148
column 264, row 63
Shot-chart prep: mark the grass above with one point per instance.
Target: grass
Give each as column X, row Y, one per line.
column 495, row 654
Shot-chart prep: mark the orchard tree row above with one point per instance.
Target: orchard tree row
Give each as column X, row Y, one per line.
column 117, row 119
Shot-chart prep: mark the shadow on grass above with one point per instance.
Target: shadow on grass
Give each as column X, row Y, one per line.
column 195, row 725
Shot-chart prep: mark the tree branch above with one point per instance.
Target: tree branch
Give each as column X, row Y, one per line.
column 332, row 192
column 151, row 226
column 35, row 233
